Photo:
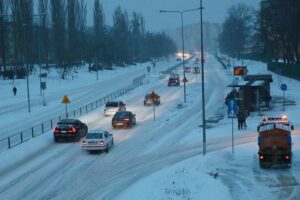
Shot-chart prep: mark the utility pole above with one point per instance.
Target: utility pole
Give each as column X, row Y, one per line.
column 202, row 77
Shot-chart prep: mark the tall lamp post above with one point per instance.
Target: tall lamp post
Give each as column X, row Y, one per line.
column 202, row 79
column 182, row 38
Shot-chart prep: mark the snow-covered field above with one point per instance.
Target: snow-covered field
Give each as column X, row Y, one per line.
column 159, row 159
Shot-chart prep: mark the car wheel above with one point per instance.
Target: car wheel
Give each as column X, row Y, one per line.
column 107, row 149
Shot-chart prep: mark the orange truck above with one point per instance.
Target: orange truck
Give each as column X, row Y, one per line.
column 275, row 142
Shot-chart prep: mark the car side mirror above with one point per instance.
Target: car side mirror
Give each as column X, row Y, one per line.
column 134, row 115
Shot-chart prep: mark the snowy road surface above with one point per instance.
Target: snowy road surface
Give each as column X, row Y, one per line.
column 41, row 169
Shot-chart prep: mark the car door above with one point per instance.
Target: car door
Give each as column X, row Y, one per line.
column 107, row 137
column 80, row 127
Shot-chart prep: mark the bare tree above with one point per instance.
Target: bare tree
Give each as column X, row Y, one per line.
column 44, row 31
column 58, row 9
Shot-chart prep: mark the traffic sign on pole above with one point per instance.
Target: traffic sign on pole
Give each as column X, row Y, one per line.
column 232, row 108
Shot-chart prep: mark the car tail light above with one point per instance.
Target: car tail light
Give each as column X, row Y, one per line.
column 84, row 143
column 126, row 119
column 72, row 130
column 261, row 157
column 101, row 142
column 287, row 157
column 56, row 130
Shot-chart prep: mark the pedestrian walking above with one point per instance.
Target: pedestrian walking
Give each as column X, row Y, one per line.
column 15, row 91
column 240, row 117
column 244, row 125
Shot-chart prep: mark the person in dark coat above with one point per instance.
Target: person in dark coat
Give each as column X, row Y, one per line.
column 241, row 118
column 15, row 91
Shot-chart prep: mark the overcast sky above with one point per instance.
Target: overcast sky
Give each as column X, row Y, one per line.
column 215, row 11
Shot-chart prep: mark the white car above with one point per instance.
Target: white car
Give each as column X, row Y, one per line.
column 112, row 107
column 98, row 140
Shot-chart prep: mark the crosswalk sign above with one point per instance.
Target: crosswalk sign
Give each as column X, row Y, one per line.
column 65, row 100
column 232, row 108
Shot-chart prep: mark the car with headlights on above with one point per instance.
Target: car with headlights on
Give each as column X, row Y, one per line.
column 112, row 107
column 98, row 140
column 69, row 129
column 174, row 80
column 123, row 119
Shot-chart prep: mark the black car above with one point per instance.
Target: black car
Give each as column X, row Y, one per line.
column 69, row 129
column 123, row 119
column 174, row 80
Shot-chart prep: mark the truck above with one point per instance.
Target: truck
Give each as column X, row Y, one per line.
column 275, row 142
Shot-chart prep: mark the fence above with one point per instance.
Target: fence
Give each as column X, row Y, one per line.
column 27, row 134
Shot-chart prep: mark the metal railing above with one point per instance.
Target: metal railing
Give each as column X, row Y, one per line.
column 25, row 135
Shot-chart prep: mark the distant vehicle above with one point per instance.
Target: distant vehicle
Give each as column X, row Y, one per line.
column 188, row 69
column 197, row 60
column 148, row 101
column 97, row 140
column 196, row 70
column 112, row 107
column 69, row 129
column 174, row 80
column 275, row 142
column 123, row 119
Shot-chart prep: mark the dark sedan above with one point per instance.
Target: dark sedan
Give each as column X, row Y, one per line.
column 123, row 119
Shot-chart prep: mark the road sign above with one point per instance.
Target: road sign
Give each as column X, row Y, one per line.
column 185, row 80
column 232, row 108
column 153, row 95
column 66, row 100
column 283, row 87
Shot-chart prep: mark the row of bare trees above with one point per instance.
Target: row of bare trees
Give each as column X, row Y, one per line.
column 57, row 34
column 272, row 33
column 280, row 30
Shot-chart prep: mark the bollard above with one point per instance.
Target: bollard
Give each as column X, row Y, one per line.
column 21, row 135
column 8, row 140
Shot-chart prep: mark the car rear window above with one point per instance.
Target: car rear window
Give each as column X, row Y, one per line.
column 94, row 136
column 112, row 104
column 64, row 126
column 121, row 114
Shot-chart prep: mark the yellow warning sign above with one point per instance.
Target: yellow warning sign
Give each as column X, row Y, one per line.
column 185, row 80
column 153, row 95
column 65, row 100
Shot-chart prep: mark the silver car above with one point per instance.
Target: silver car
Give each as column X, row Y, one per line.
column 98, row 140
column 112, row 107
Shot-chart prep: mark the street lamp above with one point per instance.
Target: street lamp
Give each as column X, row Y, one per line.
column 183, row 56
column 202, row 79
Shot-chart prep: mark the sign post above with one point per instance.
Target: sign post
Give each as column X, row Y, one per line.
column 232, row 113
column 66, row 101
column 283, row 87
column 148, row 70
column 154, row 97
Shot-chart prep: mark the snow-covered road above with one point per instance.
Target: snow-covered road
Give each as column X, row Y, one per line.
column 60, row 168
column 42, row 169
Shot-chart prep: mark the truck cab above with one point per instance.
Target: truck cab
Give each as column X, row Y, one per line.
column 275, row 142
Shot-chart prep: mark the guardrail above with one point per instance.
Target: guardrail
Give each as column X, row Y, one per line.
column 25, row 135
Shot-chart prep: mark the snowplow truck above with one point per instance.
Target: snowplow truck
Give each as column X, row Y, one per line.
column 275, row 142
